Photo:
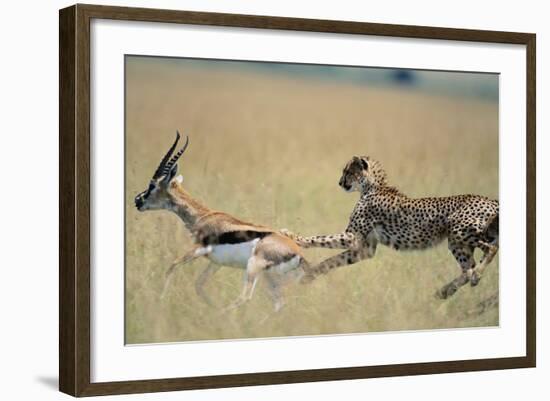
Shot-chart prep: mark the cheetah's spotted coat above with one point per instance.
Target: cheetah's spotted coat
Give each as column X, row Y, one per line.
column 384, row 215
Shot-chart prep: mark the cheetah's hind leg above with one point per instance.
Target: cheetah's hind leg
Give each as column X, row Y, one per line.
column 464, row 255
column 489, row 252
column 449, row 289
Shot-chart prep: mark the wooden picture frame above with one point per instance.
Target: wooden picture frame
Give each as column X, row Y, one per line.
column 74, row 200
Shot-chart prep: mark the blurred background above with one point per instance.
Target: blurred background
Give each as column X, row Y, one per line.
column 268, row 142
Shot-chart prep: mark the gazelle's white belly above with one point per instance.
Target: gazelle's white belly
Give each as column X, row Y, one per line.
column 235, row 255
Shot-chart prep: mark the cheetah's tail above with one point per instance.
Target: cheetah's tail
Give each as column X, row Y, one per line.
column 300, row 240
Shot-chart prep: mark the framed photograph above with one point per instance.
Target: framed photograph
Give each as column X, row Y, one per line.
column 250, row 200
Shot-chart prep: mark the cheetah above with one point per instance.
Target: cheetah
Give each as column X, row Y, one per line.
column 385, row 215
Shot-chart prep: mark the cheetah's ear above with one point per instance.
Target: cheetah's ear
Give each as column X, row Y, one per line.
column 364, row 163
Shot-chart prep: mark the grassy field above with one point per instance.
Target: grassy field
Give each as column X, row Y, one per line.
column 269, row 149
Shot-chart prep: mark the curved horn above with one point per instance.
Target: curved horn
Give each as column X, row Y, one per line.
column 174, row 159
column 160, row 168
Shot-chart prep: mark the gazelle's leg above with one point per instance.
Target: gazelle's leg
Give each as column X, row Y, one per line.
column 345, row 240
column 255, row 267
column 464, row 255
column 274, row 288
column 489, row 252
column 202, row 279
column 193, row 254
column 348, row 257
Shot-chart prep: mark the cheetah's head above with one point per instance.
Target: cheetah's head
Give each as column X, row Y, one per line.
column 362, row 173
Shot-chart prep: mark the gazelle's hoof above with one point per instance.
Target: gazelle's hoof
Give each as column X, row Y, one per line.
column 307, row 278
column 278, row 306
column 234, row 305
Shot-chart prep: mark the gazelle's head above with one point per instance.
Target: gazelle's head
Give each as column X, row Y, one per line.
column 156, row 196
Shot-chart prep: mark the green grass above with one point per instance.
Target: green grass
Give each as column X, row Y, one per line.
column 270, row 150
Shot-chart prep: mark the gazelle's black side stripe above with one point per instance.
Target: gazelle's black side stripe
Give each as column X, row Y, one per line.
column 232, row 237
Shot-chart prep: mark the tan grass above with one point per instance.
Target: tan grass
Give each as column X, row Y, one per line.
column 270, row 149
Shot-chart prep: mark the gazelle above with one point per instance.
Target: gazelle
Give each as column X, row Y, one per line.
column 222, row 238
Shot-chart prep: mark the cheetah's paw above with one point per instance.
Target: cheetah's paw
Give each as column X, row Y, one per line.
column 474, row 280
